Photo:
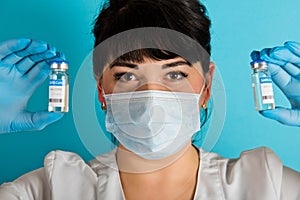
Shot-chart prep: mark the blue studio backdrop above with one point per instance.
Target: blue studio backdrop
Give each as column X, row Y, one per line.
column 238, row 27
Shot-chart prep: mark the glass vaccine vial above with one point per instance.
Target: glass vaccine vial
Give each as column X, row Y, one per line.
column 59, row 87
column 262, row 86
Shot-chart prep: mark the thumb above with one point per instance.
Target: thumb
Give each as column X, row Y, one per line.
column 33, row 121
column 290, row 117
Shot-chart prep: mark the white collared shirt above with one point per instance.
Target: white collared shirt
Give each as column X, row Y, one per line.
column 257, row 175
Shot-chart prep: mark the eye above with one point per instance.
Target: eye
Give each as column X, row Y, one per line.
column 125, row 77
column 176, row 75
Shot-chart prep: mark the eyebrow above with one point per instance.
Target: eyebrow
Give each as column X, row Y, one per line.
column 175, row 64
column 164, row 66
column 124, row 64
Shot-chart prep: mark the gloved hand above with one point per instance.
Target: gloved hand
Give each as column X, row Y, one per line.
column 284, row 66
column 23, row 67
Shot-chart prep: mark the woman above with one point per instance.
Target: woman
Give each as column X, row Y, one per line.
column 152, row 97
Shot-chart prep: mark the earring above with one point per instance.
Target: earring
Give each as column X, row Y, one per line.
column 204, row 106
column 103, row 106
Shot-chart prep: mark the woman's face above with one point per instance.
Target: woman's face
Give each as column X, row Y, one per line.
column 174, row 75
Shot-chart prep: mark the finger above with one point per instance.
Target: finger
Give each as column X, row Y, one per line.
column 42, row 119
column 11, row 59
column 283, row 115
column 265, row 55
column 32, row 121
column 26, row 64
column 284, row 54
column 285, row 58
column 285, row 82
column 59, row 57
column 292, row 70
column 33, row 48
column 279, row 76
column 10, row 46
column 293, row 47
column 20, row 58
column 37, row 75
column 46, row 64
column 4, row 71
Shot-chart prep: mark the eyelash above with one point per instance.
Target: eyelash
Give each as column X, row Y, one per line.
column 118, row 76
column 184, row 75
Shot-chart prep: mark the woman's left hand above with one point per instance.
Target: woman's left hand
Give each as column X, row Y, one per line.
column 284, row 66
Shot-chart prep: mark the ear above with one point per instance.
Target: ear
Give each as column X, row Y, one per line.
column 100, row 94
column 208, row 79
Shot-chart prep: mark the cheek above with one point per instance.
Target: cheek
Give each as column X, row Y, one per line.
column 196, row 82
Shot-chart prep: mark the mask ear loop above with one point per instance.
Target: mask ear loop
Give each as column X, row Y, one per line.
column 204, row 105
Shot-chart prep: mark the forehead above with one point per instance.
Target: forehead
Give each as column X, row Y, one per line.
column 148, row 38
column 152, row 64
column 149, row 61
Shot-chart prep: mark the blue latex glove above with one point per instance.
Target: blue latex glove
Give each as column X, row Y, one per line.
column 23, row 67
column 284, row 65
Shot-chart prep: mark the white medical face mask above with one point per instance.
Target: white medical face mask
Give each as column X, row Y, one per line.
column 153, row 124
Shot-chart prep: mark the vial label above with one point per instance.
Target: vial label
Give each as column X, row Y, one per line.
column 266, row 90
column 57, row 92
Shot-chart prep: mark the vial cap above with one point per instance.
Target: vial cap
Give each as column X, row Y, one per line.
column 259, row 64
column 59, row 64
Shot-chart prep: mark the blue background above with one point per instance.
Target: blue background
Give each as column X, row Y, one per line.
column 238, row 27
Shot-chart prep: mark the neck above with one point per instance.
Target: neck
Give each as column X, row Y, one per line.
column 132, row 163
column 175, row 174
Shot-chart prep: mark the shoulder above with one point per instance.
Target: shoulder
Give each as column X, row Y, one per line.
column 254, row 172
column 36, row 184
column 260, row 163
column 255, row 163
column 262, row 157
column 69, row 176
column 57, row 162
column 33, row 185
column 63, row 168
column 65, row 175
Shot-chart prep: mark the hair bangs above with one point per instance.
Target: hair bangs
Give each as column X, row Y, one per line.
column 140, row 55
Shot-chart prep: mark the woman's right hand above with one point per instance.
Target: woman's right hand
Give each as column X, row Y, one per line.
column 24, row 65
